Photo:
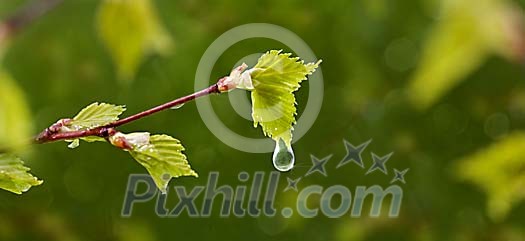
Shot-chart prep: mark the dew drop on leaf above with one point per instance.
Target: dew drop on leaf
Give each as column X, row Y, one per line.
column 283, row 157
column 166, row 176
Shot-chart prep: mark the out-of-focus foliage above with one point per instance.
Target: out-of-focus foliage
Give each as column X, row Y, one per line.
column 499, row 170
column 163, row 158
column 3, row 41
column 275, row 77
column 134, row 231
column 131, row 30
column 15, row 125
column 465, row 35
column 15, row 131
column 52, row 226
column 14, row 176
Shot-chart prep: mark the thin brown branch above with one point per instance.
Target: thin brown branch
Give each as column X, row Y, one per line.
column 210, row 90
column 50, row 135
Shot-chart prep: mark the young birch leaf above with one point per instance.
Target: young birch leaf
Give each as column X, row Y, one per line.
column 93, row 116
column 162, row 156
column 275, row 77
column 131, row 29
column 96, row 115
column 15, row 124
column 498, row 170
column 14, row 176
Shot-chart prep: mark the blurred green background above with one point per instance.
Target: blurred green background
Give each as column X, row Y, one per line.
column 439, row 83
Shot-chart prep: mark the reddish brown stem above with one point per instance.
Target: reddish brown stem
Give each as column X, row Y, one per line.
column 49, row 135
column 210, row 90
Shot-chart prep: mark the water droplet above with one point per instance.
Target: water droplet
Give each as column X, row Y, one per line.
column 283, row 157
column 166, row 177
column 177, row 107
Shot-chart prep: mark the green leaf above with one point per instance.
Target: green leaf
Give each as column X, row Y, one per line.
column 498, row 170
column 96, row 115
column 461, row 41
column 14, row 176
column 131, row 29
column 275, row 77
column 163, row 158
column 15, row 124
column 93, row 116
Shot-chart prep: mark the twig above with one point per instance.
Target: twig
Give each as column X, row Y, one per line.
column 51, row 135
column 210, row 90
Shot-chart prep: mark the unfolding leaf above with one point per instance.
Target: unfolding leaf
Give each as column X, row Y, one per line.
column 275, row 77
column 499, row 170
column 93, row 116
column 74, row 144
column 163, row 158
column 130, row 141
column 131, row 29
column 464, row 37
column 15, row 125
column 14, row 176
column 96, row 115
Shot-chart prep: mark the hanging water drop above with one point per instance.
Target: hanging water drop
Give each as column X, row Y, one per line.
column 177, row 107
column 283, row 157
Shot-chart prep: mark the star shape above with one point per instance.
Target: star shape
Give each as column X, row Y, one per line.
column 353, row 154
column 399, row 175
column 379, row 163
column 292, row 184
column 318, row 165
